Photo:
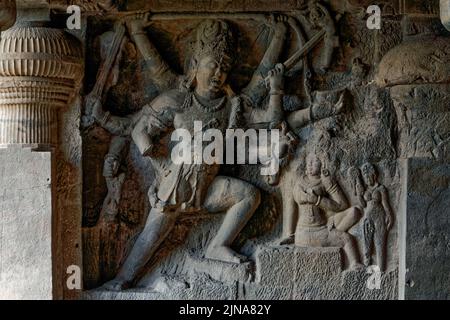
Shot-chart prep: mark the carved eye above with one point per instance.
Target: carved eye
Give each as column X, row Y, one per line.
column 212, row 65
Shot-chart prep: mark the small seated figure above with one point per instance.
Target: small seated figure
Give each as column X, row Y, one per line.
column 324, row 216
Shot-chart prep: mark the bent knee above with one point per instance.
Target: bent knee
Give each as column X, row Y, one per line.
column 252, row 194
column 346, row 238
column 354, row 213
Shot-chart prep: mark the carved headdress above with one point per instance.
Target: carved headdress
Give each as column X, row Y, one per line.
column 214, row 38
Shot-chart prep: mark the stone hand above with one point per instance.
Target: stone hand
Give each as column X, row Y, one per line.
column 137, row 23
column 327, row 179
column 320, row 16
column 275, row 78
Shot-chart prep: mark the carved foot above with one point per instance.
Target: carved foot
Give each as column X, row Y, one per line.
column 224, row 254
column 116, row 285
column 286, row 241
column 356, row 266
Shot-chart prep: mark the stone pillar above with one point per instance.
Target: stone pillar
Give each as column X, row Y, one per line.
column 40, row 69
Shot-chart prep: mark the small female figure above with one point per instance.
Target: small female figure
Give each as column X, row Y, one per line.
column 377, row 217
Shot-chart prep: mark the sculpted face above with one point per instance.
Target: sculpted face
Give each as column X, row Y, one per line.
column 313, row 165
column 211, row 75
column 7, row 14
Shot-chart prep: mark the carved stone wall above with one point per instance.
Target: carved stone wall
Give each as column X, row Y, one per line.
column 363, row 119
column 396, row 87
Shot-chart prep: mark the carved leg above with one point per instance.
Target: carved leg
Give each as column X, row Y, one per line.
column 345, row 220
column 240, row 200
column 336, row 238
column 380, row 238
column 157, row 227
column 368, row 241
column 351, row 251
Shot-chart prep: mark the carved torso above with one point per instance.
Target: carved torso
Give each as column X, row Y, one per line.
column 215, row 117
column 375, row 210
column 310, row 215
column 188, row 183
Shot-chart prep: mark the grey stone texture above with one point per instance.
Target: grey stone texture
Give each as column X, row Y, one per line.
column 26, row 222
column 425, row 254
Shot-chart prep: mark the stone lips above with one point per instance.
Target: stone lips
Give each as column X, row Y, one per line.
column 419, row 60
column 39, row 69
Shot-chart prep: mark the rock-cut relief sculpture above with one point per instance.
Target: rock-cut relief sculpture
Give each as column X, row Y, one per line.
column 378, row 217
column 202, row 95
column 322, row 210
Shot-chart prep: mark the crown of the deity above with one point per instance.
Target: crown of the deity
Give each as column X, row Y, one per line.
column 215, row 38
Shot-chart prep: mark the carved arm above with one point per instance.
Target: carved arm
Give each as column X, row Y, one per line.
column 160, row 72
column 150, row 126
column 336, row 200
column 256, row 89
